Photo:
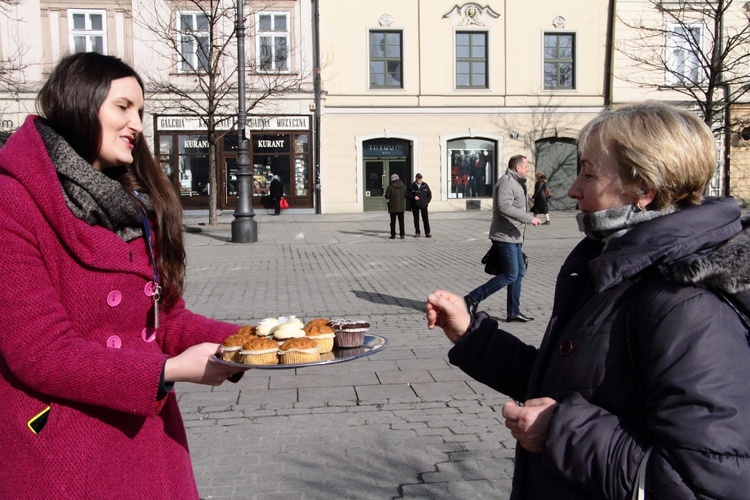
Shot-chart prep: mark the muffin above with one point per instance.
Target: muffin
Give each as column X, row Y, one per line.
column 286, row 331
column 266, row 327
column 322, row 334
column 294, row 320
column 260, row 351
column 231, row 346
column 317, row 322
column 349, row 333
column 299, row 350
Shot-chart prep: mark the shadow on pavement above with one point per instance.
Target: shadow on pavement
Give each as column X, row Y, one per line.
column 379, row 298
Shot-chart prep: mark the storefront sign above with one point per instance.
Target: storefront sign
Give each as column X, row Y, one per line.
column 278, row 123
column 374, row 149
column 164, row 123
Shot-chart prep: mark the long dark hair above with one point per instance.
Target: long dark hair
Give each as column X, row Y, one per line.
column 69, row 102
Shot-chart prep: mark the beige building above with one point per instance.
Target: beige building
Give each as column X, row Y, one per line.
column 449, row 90
column 452, row 91
column 166, row 42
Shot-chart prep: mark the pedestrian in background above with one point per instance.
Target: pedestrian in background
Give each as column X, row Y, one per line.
column 420, row 196
column 395, row 193
column 276, row 191
column 509, row 218
column 643, row 352
column 540, row 198
column 95, row 331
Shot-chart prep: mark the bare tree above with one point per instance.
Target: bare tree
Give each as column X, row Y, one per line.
column 700, row 47
column 202, row 81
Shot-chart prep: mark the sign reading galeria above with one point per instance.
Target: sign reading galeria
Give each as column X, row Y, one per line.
column 165, row 123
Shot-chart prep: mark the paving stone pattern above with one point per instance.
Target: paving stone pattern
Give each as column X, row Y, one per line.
column 402, row 423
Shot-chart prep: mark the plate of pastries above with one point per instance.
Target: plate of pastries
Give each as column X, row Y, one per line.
column 290, row 342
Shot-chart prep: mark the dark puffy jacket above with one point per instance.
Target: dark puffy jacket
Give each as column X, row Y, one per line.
column 424, row 193
column 395, row 193
column 690, row 349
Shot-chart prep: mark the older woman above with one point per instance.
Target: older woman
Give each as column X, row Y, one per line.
column 641, row 354
column 94, row 330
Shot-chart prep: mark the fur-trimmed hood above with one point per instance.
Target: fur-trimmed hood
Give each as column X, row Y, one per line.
column 726, row 268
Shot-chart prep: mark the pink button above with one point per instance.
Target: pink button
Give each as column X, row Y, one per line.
column 148, row 290
column 148, row 334
column 114, row 341
column 114, row 298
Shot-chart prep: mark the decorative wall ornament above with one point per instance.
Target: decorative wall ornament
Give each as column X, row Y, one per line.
column 559, row 22
column 386, row 20
column 471, row 14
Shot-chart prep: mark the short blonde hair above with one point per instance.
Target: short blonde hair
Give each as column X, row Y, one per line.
column 656, row 146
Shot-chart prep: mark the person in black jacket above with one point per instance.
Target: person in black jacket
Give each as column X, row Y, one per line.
column 642, row 355
column 540, row 198
column 420, row 196
column 276, row 192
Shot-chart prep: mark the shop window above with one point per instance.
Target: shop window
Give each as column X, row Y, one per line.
column 165, row 153
column 472, row 167
column 87, row 31
column 193, row 165
column 301, row 168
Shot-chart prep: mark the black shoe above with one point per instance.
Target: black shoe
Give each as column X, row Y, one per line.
column 417, row 235
column 402, row 236
column 428, row 235
column 520, row 318
column 545, row 223
column 392, row 238
column 471, row 305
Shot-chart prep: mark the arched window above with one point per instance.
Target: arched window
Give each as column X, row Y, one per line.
column 472, row 165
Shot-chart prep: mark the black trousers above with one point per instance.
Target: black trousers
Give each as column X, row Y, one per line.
column 276, row 206
column 425, row 219
column 394, row 216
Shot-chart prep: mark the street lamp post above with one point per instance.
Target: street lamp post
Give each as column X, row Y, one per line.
column 244, row 226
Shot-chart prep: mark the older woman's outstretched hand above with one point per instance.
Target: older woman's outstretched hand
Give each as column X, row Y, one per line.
column 447, row 311
column 528, row 423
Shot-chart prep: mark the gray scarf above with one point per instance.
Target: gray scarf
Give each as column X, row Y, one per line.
column 612, row 223
column 90, row 194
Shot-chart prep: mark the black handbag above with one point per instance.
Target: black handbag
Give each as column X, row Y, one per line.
column 492, row 263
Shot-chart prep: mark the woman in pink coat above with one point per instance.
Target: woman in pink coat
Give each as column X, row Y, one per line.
column 94, row 329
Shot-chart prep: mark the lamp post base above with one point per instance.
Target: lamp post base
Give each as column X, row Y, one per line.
column 244, row 230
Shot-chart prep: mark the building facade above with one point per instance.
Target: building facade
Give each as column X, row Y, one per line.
column 341, row 95
column 451, row 91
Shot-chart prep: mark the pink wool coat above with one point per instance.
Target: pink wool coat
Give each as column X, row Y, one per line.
column 74, row 303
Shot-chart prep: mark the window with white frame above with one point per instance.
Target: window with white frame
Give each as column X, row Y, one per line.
column 559, row 61
column 684, row 48
column 87, row 31
column 194, row 41
column 471, row 59
column 385, row 59
column 272, row 41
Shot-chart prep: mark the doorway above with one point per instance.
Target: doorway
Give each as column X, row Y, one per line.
column 378, row 176
column 383, row 158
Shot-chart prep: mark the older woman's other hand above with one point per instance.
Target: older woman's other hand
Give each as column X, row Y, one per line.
column 528, row 423
column 194, row 365
column 447, row 311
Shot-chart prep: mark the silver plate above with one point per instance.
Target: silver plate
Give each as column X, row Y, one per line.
column 371, row 345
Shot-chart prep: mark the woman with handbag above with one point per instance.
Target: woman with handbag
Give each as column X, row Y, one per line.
column 540, row 198
column 644, row 362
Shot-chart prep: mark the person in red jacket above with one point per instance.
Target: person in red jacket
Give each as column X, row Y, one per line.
column 95, row 332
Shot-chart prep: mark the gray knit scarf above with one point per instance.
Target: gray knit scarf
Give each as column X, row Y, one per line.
column 610, row 224
column 90, row 194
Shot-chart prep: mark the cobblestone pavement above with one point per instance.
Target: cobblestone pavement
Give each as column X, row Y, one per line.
column 402, row 423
